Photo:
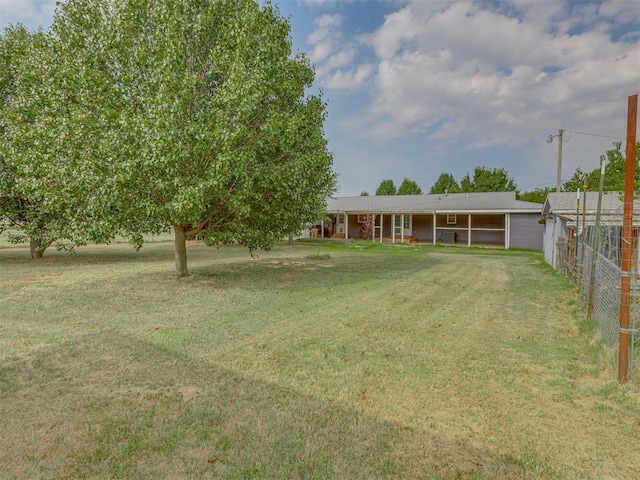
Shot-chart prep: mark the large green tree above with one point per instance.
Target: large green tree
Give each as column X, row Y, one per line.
column 24, row 208
column 488, row 180
column 14, row 45
column 194, row 117
column 614, row 173
column 53, row 148
column 409, row 187
column 446, row 183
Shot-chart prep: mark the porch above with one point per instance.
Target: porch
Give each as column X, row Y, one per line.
column 465, row 229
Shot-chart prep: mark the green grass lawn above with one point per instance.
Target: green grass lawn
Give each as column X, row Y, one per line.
column 313, row 361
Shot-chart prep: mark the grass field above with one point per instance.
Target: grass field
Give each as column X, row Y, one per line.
column 351, row 361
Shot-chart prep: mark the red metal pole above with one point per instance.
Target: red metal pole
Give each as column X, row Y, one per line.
column 627, row 239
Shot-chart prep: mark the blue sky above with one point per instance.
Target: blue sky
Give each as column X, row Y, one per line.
column 416, row 88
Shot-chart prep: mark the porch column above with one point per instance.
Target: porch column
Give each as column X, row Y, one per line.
column 381, row 226
column 402, row 228
column 346, row 226
column 435, row 231
column 469, row 230
column 507, row 230
column 393, row 228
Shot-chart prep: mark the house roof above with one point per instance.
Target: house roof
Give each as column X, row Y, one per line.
column 485, row 202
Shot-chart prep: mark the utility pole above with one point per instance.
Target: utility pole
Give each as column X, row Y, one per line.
column 550, row 140
column 559, row 178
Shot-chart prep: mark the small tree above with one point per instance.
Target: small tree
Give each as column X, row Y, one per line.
column 409, row 187
column 386, row 187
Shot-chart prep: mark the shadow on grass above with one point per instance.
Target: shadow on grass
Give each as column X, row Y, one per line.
column 110, row 406
column 94, row 254
column 297, row 267
column 310, row 272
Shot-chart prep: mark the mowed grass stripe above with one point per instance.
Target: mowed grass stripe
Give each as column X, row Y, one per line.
column 315, row 361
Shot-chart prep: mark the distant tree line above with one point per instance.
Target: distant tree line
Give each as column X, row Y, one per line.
column 483, row 180
column 388, row 187
column 498, row 180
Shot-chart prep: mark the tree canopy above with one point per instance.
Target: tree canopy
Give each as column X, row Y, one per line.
column 25, row 145
column 446, row 183
column 386, row 187
column 538, row 195
column 486, row 180
column 409, row 187
column 613, row 176
column 183, row 115
column 483, row 180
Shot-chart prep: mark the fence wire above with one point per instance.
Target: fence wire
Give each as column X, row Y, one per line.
column 598, row 280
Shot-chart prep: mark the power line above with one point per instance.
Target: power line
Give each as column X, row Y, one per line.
column 594, row 135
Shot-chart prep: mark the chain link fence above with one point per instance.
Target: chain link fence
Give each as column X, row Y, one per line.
column 598, row 278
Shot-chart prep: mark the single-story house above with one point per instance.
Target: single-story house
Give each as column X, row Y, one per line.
column 488, row 219
column 561, row 215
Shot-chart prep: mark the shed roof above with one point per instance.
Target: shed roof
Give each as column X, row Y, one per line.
column 565, row 203
column 497, row 202
column 612, row 220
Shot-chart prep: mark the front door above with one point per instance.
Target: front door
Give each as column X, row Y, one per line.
column 402, row 225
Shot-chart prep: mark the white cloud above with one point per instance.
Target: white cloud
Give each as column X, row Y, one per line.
column 350, row 78
column 333, row 58
column 499, row 75
column 325, row 37
column 315, row 3
column 327, row 28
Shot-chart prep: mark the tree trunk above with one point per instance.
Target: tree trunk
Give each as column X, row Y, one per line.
column 291, row 239
column 181, row 251
column 37, row 248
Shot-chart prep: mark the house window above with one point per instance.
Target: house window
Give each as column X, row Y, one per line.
column 407, row 222
column 451, row 219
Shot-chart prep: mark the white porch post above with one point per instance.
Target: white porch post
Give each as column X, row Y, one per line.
column 402, row 228
column 346, row 226
column 507, row 230
column 393, row 228
column 381, row 226
column 469, row 230
column 435, row 230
